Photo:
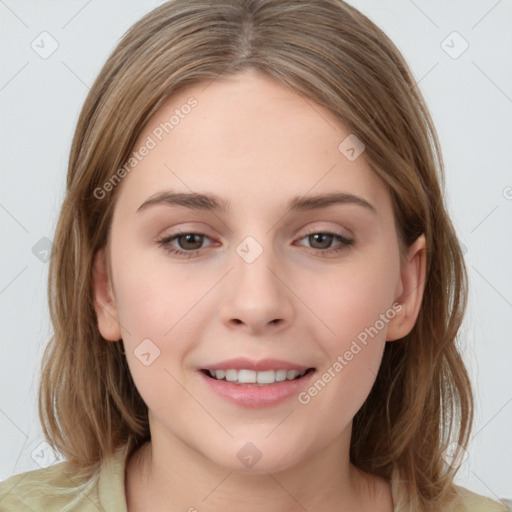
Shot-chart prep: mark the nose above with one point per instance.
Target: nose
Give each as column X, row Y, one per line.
column 256, row 297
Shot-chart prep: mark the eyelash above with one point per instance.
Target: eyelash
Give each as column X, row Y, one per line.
column 165, row 242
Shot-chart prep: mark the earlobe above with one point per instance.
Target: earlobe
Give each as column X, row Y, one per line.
column 411, row 288
column 104, row 303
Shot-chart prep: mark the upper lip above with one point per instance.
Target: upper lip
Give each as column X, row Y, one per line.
column 242, row 363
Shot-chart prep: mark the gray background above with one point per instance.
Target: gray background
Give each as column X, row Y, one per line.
column 470, row 97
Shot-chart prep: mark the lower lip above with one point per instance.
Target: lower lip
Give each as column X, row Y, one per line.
column 254, row 396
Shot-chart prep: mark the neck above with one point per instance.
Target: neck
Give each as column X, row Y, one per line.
column 167, row 474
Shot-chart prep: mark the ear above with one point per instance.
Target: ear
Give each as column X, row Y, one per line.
column 409, row 292
column 104, row 303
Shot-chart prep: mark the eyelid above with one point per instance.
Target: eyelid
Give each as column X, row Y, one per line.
column 201, row 231
column 333, row 231
column 166, row 242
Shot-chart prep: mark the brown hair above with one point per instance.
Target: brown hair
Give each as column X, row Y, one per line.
column 331, row 53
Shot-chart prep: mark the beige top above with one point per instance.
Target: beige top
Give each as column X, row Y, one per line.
column 36, row 491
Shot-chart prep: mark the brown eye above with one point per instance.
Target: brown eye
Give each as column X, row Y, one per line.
column 183, row 244
column 190, row 241
column 322, row 241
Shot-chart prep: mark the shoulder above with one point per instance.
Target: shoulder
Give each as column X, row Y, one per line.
column 471, row 502
column 50, row 489
column 58, row 488
column 462, row 500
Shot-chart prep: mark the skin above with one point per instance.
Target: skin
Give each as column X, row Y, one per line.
column 258, row 144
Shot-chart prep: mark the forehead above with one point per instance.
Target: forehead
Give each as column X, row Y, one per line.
column 250, row 139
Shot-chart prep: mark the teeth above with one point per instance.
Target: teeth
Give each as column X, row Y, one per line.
column 281, row 375
column 246, row 377
column 252, row 377
column 267, row 377
column 231, row 375
column 291, row 374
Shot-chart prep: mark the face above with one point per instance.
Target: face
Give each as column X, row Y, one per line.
column 317, row 286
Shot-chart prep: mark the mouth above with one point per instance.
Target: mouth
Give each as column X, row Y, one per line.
column 257, row 378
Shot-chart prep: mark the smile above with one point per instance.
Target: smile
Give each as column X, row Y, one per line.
column 267, row 377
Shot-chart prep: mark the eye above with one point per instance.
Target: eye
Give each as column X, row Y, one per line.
column 322, row 240
column 190, row 242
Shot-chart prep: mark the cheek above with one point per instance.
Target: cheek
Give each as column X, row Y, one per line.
column 155, row 303
column 355, row 306
column 353, row 298
column 155, row 308
column 152, row 295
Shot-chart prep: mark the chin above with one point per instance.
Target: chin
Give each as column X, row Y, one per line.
column 258, row 458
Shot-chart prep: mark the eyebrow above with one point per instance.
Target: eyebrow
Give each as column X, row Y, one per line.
column 211, row 202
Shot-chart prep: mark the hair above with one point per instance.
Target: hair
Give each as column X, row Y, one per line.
column 330, row 53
